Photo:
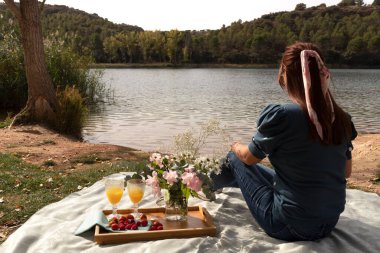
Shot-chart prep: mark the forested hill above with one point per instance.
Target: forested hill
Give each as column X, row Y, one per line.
column 83, row 31
column 347, row 35
column 86, row 31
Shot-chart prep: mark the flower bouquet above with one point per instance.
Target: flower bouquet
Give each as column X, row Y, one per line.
column 179, row 177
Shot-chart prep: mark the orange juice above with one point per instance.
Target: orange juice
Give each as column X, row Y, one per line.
column 135, row 194
column 114, row 194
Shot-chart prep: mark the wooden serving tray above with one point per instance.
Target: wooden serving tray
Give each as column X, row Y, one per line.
column 199, row 223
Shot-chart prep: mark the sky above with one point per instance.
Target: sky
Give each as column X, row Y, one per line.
column 185, row 15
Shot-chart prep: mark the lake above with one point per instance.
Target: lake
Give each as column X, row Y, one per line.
column 150, row 106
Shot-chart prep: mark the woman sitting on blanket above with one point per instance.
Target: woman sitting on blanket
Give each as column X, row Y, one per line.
column 308, row 142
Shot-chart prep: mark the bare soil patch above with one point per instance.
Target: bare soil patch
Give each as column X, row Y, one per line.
column 40, row 146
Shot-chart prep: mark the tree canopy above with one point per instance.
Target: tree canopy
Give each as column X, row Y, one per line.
column 347, row 33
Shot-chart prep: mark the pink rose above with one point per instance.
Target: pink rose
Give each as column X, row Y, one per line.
column 156, row 159
column 192, row 181
column 153, row 181
column 170, row 176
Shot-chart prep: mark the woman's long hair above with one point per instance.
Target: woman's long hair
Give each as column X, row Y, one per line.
column 335, row 123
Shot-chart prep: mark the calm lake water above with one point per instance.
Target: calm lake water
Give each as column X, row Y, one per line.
column 152, row 105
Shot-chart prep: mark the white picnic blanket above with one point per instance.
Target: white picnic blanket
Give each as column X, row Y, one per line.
column 51, row 228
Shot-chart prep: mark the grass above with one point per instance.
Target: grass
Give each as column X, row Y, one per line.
column 25, row 188
column 48, row 163
column 89, row 159
column 6, row 122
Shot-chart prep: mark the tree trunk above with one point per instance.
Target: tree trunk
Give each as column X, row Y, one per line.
column 42, row 103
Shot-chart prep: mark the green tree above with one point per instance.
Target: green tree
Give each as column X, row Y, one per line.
column 359, row 2
column 97, row 49
column 374, row 44
column 130, row 41
column 174, row 47
column 347, row 3
column 356, row 45
column 300, row 7
column 376, row 2
column 113, row 49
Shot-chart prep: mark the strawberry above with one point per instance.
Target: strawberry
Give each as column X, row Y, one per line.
column 115, row 226
column 113, row 220
column 138, row 223
column 129, row 226
column 130, row 216
column 134, row 227
column 144, row 223
column 160, row 228
column 122, row 227
column 153, row 227
column 143, row 217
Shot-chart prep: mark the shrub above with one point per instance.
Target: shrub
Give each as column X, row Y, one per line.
column 65, row 67
column 13, row 86
column 6, row 122
column 72, row 112
column 68, row 68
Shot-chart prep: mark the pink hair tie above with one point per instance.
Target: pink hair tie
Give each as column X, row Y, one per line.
column 324, row 75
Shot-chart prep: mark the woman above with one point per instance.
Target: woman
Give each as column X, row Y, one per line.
column 308, row 142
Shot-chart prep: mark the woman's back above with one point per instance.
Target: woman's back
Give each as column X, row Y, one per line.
column 310, row 176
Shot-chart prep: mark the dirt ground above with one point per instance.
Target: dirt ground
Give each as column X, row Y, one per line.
column 37, row 145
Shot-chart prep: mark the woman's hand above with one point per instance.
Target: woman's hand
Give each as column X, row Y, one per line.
column 243, row 153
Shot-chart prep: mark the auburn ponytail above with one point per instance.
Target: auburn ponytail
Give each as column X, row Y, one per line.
column 328, row 123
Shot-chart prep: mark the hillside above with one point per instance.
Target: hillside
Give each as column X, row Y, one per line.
column 81, row 30
column 347, row 35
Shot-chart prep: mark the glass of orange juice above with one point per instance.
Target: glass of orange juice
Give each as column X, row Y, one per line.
column 114, row 191
column 136, row 189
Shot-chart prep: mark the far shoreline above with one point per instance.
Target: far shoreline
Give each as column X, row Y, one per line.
column 208, row 65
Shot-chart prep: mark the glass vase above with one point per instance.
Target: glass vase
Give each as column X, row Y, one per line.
column 176, row 209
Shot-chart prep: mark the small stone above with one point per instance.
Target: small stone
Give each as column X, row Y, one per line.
column 80, row 187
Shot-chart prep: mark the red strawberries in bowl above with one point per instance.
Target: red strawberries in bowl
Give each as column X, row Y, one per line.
column 130, row 223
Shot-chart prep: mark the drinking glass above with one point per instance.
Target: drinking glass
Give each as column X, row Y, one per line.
column 114, row 191
column 136, row 189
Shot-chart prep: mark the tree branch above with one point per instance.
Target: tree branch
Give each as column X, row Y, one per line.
column 14, row 9
column 42, row 5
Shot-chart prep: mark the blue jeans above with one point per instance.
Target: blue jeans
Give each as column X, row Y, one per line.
column 256, row 184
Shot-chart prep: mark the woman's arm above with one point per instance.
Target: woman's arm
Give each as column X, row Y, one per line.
column 348, row 168
column 243, row 153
